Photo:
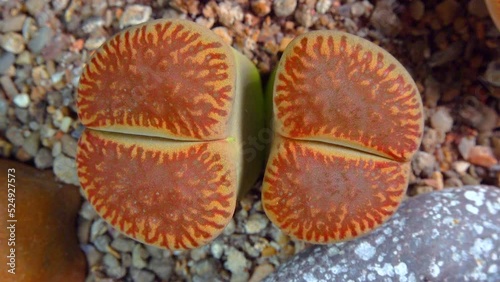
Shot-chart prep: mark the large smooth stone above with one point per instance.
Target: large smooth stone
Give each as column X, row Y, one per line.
column 450, row 235
column 41, row 243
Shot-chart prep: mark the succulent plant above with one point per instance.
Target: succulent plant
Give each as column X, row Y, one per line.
column 348, row 118
column 168, row 108
column 494, row 9
column 37, row 238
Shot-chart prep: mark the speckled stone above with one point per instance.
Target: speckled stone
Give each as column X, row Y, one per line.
column 448, row 235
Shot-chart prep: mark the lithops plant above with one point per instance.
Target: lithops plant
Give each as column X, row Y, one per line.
column 494, row 9
column 168, row 107
column 348, row 118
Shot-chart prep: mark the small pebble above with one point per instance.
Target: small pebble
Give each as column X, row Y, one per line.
column 7, row 59
column 13, row 23
column 8, row 86
column 441, row 120
column 199, row 253
column 447, row 10
column 417, row 9
column 384, row 19
column 230, row 228
column 256, row 223
column 113, row 267
column 465, row 145
column 43, row 159
column 102, row 243
column 93, row 255
column 98, row 228
column 284, row 8
column 357, row 9
column 139, row 254
column 94, row 42
column 22, row 100
column 322, row 6
column 305, row 16
column 35, row 6
column 123, row 244
column 261, row 271
column 15, row 136
column 32, row 143
column 217, row 249
column 236, row 261
column 461, row 167
column 477, row 8
column 13, row 42
column 135, row 14
column 261, row 7
column 141, row 275
column 423, row 164
column 65, row 170
column 229, row 13
column 42, row 37
column 483, row 156
column 163, row 268
column 56, row 149
column 87, row 211
column 223, row 33
column 65, row 124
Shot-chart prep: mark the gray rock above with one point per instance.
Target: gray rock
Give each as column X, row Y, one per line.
column 8, row 86
column 113, row 267
column 43, row 159
column 229, row 13
column 102, row 243
column 199, row 253
column 69, row 145
column 13, row 42
column 15, row 136
column 40, row 40
column 87, row 211
column 284, row 8
column 99, row 227
column 322, row 6
column 34, row 6
column 256, row 223
column 139, row 254
column 13, row 23
column 22, row 100
column 65, row 170
column 142, row 275
column 163, row 268
column 216, row 249
column 423, row 164
column 21, row 114
column 305, row 16
column 123, row 244
column 32, row 143
column 465, row 145
column 441, row 120
column 448, row 235
column 135, row 14
column 6, row 61
column 155, row 252
column 236, row 261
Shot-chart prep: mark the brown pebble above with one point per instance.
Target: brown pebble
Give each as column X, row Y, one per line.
column 447, row 10
column 268, row 251
column 261, row 7
column 483, row 156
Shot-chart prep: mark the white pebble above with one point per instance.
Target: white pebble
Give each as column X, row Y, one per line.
column 65, row 124
column 22, row 100
column 441, row 120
